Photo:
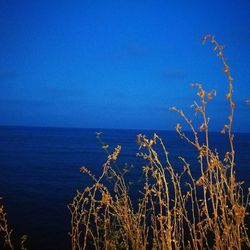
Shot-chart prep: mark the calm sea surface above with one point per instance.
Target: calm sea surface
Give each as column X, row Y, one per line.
column 39, row 173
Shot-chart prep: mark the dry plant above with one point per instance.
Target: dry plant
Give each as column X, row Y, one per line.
column 174, row 210
column 5, row 231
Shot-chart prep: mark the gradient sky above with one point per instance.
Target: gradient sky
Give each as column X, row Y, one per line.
column 119, row 64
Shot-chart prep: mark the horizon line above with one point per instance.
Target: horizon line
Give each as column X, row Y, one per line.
column 108, row 128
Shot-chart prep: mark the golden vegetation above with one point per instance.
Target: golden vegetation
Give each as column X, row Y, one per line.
column 5, row 231
column 174, row 210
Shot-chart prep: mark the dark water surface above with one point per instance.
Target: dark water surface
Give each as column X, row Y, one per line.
column 39, row 173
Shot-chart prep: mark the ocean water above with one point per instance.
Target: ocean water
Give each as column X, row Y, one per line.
column 39, row 173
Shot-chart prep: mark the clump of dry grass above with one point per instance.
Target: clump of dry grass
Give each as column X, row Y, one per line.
column 175, row 210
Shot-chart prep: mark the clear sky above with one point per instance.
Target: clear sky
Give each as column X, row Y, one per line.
column 119, row 64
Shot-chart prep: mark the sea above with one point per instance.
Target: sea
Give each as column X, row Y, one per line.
column 40, row 172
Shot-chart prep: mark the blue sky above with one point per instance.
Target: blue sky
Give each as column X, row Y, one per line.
column 119, row 64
